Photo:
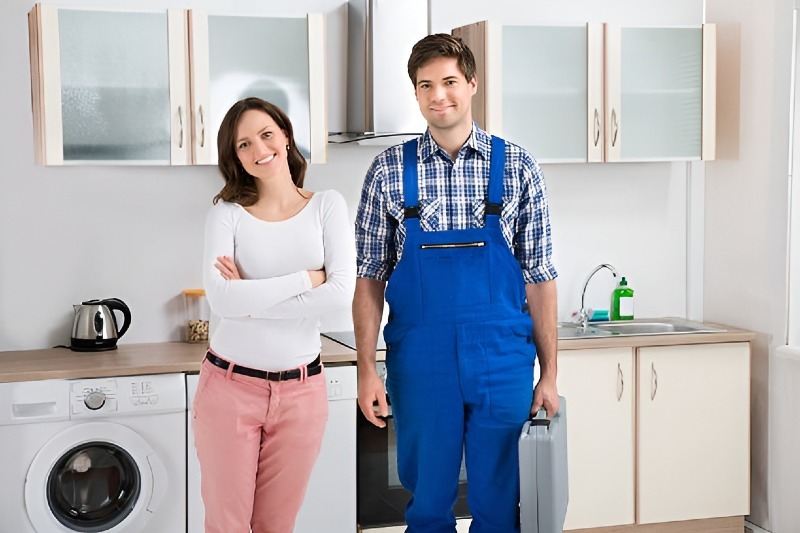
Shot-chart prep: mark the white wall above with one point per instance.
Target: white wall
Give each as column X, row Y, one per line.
column 75, row 233
column 746, row 223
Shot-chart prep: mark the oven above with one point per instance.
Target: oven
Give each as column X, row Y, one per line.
column 381, row 498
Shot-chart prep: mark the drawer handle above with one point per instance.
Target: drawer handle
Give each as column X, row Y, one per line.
column 596, row 127
column 653, row 381
column 202, row 128
column 620, row 382
column 180, row 121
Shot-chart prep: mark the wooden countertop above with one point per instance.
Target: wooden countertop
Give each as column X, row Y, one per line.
column 126, row 360
column 166, row 357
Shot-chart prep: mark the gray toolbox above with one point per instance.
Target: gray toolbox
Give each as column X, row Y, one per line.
column 544, row 490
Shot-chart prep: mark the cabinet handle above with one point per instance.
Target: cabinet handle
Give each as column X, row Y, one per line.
column 596, row 127
column 620, row 382
column 615, row 125
column 180, row 121
column 202, row 127
column 653, row 381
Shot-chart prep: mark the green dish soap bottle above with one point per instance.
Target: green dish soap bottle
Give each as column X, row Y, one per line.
column 622, row 301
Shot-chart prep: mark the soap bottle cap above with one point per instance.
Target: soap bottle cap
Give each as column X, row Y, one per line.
column 623, row 282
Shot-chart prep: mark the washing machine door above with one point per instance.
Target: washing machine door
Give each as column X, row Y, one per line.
column 93, row 477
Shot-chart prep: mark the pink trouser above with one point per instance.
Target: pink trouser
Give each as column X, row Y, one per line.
column 256, row 441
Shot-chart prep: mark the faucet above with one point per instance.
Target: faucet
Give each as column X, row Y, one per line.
column 583, row 313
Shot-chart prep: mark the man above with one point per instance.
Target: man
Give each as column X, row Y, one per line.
column 462, row 235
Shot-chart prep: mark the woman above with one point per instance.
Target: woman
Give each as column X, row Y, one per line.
column 277, row 257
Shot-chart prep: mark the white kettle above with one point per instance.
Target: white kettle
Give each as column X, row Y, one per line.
column 94, row 326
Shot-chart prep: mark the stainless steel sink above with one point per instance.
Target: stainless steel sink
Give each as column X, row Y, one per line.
column 656, row 326
column 568, row 330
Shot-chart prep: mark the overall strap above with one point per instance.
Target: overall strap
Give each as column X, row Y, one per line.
column 410, row 180
column 494, row 202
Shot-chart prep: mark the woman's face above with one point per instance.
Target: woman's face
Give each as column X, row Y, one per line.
column 261, row 145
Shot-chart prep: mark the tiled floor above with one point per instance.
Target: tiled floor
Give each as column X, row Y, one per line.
column 463, row 527
column 750, row 528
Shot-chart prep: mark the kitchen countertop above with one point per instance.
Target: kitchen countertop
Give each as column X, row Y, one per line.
column 126, row 360
column 635, row 341
column 165, row 357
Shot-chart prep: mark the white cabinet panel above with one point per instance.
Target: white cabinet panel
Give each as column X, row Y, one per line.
column 599, row 384
column 692, row 431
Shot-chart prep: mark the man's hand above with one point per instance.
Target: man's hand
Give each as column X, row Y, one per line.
column 545, row 395
column 370, row 390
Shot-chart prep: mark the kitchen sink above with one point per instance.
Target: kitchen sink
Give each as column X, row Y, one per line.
column 569, row 330
column 657, row 326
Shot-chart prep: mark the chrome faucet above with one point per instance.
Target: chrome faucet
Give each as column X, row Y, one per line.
column 583, row 313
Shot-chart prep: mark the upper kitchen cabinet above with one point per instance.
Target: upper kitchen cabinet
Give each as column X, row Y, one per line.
column 609, row 94
column 103, row 88
column 152, row 88
column 660, row 86
column 281, row 60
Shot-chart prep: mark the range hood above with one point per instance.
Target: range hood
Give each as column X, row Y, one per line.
column 380, row 98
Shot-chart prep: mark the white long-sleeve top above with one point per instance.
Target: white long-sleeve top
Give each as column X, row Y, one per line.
column 270, row 318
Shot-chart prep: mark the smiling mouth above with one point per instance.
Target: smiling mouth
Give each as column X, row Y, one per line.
column 265, row 160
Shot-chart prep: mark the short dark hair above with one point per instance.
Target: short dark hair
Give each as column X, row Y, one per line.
column 441, row 45
column 240, row 187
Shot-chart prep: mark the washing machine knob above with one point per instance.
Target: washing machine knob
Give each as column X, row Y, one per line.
column 95, row 400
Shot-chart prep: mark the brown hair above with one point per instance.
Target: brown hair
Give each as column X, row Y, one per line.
column 441, row 45
column 240, row 187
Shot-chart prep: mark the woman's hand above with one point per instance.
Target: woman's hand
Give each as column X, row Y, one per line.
column 227, row 268
column 318, row 277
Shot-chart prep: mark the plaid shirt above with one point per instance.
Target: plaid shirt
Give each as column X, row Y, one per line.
column 452, row 196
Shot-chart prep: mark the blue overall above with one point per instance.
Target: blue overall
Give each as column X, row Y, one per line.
column 459, row 364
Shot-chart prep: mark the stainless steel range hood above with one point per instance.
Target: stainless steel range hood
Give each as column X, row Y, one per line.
column 380, row 96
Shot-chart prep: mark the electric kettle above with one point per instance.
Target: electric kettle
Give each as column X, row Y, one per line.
column 94, row 326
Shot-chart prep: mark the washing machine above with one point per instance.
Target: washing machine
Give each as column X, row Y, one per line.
column 94, row 455
column 330, row 502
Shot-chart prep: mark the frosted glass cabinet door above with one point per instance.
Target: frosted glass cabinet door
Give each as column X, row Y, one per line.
column 272, row 58
column 544, row 94
column 114, row 86
column 654, row 86
column 102, row 85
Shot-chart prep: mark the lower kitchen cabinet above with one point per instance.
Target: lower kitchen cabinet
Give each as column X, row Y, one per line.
column 693, row 432
column 656, row 434
column 598, row 386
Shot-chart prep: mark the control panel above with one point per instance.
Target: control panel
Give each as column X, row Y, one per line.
column 127, row 395
column 94, row 395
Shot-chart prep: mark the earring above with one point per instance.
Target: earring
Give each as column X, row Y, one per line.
column 287, row 147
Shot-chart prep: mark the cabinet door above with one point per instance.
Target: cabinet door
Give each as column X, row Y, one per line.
column 102, row 86
column 278, row 59
column 598, row 387
column 693, row 432
column 657, row 91
column 545, row 96
column 550, row 104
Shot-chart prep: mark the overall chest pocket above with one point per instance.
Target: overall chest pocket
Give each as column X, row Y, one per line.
column 455, row 274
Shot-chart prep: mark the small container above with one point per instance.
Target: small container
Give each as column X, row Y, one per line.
column 197, row 315
column 622, row 301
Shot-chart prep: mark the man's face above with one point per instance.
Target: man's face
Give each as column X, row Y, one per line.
column 444, row 94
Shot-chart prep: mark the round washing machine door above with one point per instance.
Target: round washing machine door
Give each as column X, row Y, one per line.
column 93, row 477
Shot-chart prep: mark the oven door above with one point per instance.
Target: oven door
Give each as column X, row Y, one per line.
column 381, row 498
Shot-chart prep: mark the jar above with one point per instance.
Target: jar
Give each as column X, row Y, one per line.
column 197, row 315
